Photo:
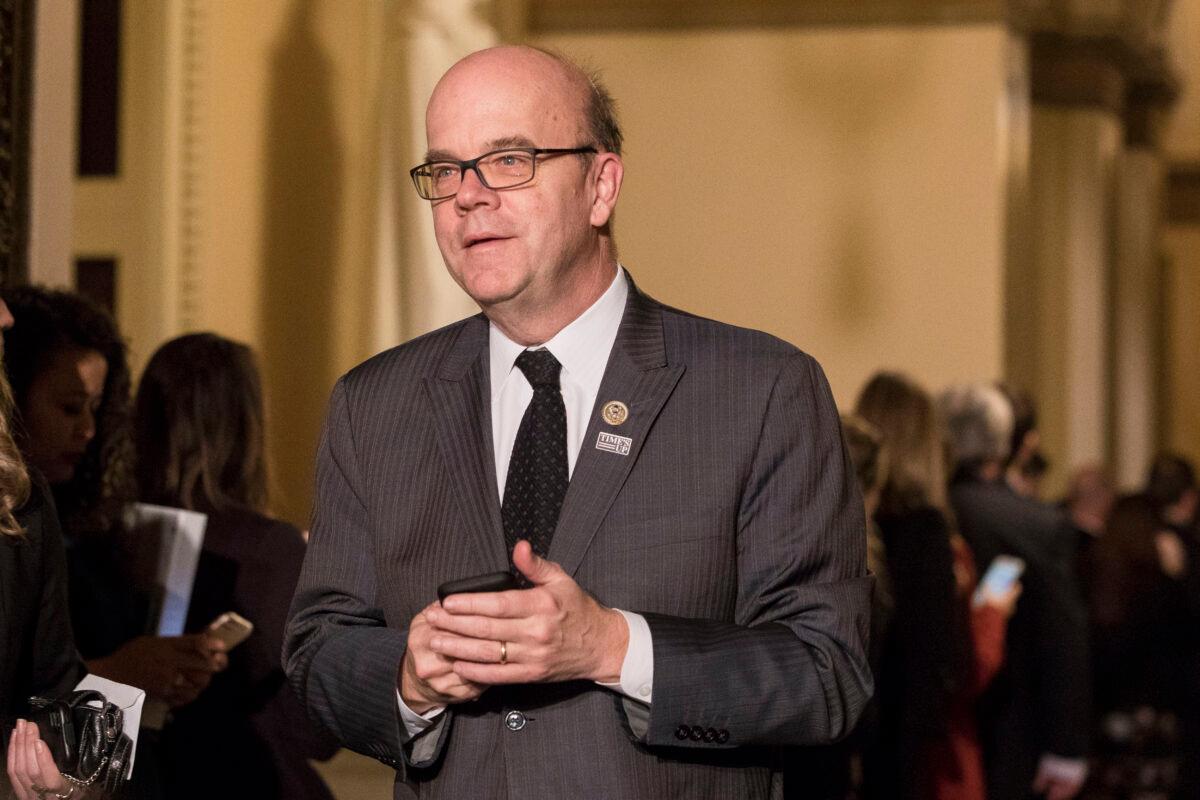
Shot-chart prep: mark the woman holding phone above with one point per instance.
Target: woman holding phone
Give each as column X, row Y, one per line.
column 200, row 446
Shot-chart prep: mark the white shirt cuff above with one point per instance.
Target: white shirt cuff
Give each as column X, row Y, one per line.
column 416, row 724
column 1074, row 770
column 637, row 670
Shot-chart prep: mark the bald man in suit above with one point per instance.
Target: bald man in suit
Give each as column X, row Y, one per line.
column 673, row 492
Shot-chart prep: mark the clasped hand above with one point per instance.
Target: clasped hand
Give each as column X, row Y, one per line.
column 551, row 632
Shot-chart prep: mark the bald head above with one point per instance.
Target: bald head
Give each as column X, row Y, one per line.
column 572, row 90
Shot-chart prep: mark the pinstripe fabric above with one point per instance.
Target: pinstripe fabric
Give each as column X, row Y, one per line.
column 733, row 523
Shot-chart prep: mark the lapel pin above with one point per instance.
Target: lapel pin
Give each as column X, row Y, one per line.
column 615, row 412
column 611, row 443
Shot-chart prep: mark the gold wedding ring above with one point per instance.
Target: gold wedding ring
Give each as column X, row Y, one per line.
column 504, row 652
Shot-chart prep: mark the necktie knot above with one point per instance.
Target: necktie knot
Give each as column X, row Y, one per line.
column 540, row 367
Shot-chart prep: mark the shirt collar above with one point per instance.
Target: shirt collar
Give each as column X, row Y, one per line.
column 577, row 346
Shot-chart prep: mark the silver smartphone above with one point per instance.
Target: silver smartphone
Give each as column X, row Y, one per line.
column 231, row 628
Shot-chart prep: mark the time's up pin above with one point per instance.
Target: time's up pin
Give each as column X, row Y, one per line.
column 615, row 412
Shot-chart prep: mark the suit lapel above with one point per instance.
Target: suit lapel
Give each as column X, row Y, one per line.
column 637, row 375
column 460, row 395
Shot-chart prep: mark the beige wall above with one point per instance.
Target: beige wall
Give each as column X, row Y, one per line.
column 287, row 104
column 842, row 188
column 245, row 199
column 123, row 216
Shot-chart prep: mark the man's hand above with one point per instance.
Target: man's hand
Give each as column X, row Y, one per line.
column 427, row 678
column 552, row 632
column 1059, row 778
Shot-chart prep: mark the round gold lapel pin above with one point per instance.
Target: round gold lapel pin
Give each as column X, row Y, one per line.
column 615, row 412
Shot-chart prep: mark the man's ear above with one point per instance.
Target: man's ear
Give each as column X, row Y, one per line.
column 607, row 173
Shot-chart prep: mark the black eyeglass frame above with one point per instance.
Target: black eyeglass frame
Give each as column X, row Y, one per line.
column 473, row 164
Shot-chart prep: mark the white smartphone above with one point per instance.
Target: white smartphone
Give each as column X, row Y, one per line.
column 1001, row 574
column 231, row 628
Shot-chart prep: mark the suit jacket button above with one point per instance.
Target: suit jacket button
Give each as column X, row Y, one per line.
column 722, row 736
column 696, row 734
column 514, row 721
column 710, row 735
column 681, row 733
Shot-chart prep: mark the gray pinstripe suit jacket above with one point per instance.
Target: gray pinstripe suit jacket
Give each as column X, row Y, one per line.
column 733, row 524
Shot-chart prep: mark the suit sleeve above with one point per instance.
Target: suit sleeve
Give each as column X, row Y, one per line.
column 339, row 653
column 1062, row 644
column 791, row 668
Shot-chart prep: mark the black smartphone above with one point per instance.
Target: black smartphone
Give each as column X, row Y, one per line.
column 491, row 582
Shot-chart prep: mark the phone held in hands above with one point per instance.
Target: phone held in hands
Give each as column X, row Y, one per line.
column 1001, row 575
column 231, row 628
column 491, row 582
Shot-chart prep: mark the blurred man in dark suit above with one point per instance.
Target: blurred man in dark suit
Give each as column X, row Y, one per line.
column 1035, row 716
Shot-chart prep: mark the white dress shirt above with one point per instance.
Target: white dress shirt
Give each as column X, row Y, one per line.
column 583, row 348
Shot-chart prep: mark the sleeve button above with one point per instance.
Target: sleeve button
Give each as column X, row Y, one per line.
column 696, row 734
column 681, row 733
column 710, row 735
column 722, row 736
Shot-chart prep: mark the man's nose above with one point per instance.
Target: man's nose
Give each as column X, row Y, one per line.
column 472, row 191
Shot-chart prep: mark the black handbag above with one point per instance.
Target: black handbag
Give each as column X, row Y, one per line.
column 84, row 734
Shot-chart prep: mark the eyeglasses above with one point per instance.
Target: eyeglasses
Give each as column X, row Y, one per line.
column 498, row 169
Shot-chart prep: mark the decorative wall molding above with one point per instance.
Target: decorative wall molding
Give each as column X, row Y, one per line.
column 1152, row 91
column 1105, row 72
column 183, row 162
column 1089, row 72
column 1085, row 52
column 556, row 16
column 1183, row 194
column 1138, row 21
column 16, row 66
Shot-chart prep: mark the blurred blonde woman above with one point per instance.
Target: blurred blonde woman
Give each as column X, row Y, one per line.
column 939, row 651
column 37, row 650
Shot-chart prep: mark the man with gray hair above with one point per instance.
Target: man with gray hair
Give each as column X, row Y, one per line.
column 1034, row 717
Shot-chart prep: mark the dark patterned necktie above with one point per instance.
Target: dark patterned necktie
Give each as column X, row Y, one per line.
column 537, row 470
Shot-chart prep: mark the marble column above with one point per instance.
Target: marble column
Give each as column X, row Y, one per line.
column 1137, row 292
column 1078, row 92
column 425, row 37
